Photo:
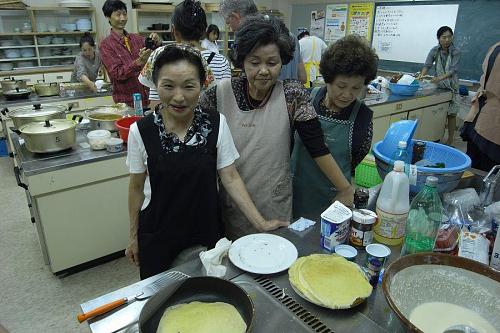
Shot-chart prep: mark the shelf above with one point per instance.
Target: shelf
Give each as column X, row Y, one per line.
column 62, row 33
column 85, row 9
column 58, row 45
column 16, row 47
column 150, row 31
column 58, row 57
column 17, row 59
column 17, row 34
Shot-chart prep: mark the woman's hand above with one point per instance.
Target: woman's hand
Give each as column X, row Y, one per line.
column 156, row 38
column 436, row 79
column 144, row 54
column 93, row 87
column 132, row 251
column 271, row 225
column 345, row 196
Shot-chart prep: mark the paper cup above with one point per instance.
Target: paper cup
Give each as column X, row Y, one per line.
column 346, row 251
column 376, row 256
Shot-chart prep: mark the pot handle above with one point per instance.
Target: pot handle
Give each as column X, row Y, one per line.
column 77, row 116
column 15, row 130
column 70, row 106
column 17, row 173
column 4, row 111
column 37, row 106
column 53, row 84
column 38, row 81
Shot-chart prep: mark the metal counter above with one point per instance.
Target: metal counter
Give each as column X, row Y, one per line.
column 35, row 99
column 34, row 163
column 386, row 97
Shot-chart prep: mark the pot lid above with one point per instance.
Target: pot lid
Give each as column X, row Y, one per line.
column 49, row 126
column 36, row 110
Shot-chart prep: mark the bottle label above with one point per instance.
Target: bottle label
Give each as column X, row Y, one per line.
column 390, row 225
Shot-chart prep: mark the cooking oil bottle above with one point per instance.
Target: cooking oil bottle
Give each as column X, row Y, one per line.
column 393, row 204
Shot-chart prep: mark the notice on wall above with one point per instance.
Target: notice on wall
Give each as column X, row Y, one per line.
column 336, row 22
column 318, row 23
column 361, row 19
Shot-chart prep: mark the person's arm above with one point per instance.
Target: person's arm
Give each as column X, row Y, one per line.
column 117, row 70
column 88, row 82
column 233, row 184
column 453, row 68
column 330, row 168
column 135, row 200
column 301, row 72
column 429, row 61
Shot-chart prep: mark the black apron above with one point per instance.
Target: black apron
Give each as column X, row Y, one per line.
column 184, row 209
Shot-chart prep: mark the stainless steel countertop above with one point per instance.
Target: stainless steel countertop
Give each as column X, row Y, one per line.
column 386, row 97
column 35, row 99
column 33, row 164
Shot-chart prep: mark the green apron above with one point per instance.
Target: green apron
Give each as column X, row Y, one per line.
column 312, row 190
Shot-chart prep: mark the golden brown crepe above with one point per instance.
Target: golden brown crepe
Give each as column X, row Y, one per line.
column 329, row 280
column 200, row 317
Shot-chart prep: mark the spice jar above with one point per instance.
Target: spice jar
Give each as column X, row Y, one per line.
column 361, row 197
column 418, row 151
column 362, row 222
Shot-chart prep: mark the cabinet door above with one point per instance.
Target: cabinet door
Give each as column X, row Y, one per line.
column 432, row 121
column 380, row 126
column 398, row 116
column 417, row 115
column 57, row 77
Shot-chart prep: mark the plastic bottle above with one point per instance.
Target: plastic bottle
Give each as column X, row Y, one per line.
column 393, row 204
column 402, row 155
column 138, row 104
column 424, row 219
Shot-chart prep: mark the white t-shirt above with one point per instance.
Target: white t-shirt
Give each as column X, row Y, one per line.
column 137, row 157
column 212, row 46
column 309, row 44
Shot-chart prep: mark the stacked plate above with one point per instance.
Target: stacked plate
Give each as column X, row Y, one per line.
column 75, row 3
column 83, row 24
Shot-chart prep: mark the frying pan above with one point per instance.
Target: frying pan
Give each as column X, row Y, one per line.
column 202, row 289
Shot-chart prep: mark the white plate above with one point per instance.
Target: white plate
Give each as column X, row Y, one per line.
column 262, row 253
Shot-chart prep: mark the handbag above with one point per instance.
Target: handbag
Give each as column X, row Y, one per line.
column 468, row 126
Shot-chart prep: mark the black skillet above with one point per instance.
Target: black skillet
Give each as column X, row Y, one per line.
column 202, row 289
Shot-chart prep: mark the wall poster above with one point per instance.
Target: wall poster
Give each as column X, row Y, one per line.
column 336, row 22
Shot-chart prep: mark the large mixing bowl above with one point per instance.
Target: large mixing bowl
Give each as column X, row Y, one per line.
column 424, row 278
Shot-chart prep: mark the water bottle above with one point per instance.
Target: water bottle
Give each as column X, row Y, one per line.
column 138, row 104
column 424, row 219
column 401, row 154
column 393, row 204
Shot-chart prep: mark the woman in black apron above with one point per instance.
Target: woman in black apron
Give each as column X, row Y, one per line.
column 174, row 155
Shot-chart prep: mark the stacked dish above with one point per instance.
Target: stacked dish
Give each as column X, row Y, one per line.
column 84, row 24
column 75, row 3
column 6, row 66
column 44, row 40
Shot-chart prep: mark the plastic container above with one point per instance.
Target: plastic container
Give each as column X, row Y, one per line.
column 401, row 154
column 114, row 145
column 123, row 126
column 402, row 130
column 97, row 139
column 362, row 223
column 3, row 148
column 393, row 205
column 366, row 173
column 424, row 220
column 404, row 89
column 346, row 251
column 138, row 104
column 334, row 226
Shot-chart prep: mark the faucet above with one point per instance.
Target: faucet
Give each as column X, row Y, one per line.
column 488, row 187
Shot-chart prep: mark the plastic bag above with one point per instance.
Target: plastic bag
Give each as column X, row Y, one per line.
column 466, row 198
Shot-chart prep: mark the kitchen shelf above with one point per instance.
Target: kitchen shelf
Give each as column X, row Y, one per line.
column 17, row 59
column 58, row 57
column 58, row 45
column 150, row 31
column 16, row 47
column 5, row 34
column 62, row 33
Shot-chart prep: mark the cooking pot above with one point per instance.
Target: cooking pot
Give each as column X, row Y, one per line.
column 49, row 136
column 202, row 289
column 104, row 117
column 11, row 84
column 36, row 113
column 17, row 93
column 47, row 89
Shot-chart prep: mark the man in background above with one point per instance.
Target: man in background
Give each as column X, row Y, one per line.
column 235, row 12
column 311, row 49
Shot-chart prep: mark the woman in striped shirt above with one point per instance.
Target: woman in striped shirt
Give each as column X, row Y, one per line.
column 189, row 24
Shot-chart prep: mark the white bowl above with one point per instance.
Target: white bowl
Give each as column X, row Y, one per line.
column 97, row 139
column 114, row 145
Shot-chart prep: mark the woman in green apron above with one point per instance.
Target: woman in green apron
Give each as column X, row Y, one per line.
column 346, row 66
column 445, row 58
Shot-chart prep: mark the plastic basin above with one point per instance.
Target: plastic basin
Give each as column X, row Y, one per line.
column 123, row 126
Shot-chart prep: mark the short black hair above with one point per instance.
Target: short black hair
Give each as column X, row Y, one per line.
column 87, row 38
column 442, row 30
column 259, row 31
column 213, row 27
column 349, row 56
column 302, row 34
column 173, row 54
column 189, row 20
column 111, row 6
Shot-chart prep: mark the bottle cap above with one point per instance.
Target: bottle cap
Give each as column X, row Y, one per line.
column 431, row 181
column 399, row 166
column 402, row 144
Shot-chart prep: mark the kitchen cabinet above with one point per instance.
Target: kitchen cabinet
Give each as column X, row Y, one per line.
column 57, row 77
column 380, row 126
column 43, row 32
column 431, row 122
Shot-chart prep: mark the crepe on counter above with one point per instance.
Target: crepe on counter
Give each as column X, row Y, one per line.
column 329, row 280
column 202, row 317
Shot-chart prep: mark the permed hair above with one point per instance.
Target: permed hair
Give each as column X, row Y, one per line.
column 111, row 6
column 349, row 56
column 442, row 30
column 173, row 54
column 189, row 20
column 243, row 7
column 259, row 31
column 87, row 38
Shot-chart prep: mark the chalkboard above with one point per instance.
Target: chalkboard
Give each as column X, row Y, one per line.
column 477, row 29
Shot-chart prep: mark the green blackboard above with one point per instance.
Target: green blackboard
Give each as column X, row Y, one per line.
column 476, row 30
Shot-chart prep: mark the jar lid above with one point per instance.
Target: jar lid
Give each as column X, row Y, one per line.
column 49, row 126
column 364, row 216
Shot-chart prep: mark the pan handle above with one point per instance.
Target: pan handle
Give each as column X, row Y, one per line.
column 4, row 111
column 15, row 130
column 17, row 173
column 77, row 116
column 101, row 310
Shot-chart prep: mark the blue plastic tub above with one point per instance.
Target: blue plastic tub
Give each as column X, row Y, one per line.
column 404, row 89
column 3, row 148
column 402, row 130
column 448, row 178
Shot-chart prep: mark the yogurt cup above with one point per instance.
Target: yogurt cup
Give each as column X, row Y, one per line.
column 346, row 251
column 334, row 226
column 376, row 256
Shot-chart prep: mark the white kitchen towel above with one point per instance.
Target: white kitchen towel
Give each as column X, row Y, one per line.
column 212, row 259
column 301, row 224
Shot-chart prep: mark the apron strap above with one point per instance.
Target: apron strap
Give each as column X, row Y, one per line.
column 355, row 109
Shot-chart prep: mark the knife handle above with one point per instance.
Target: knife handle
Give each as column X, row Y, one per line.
column 101, row 310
